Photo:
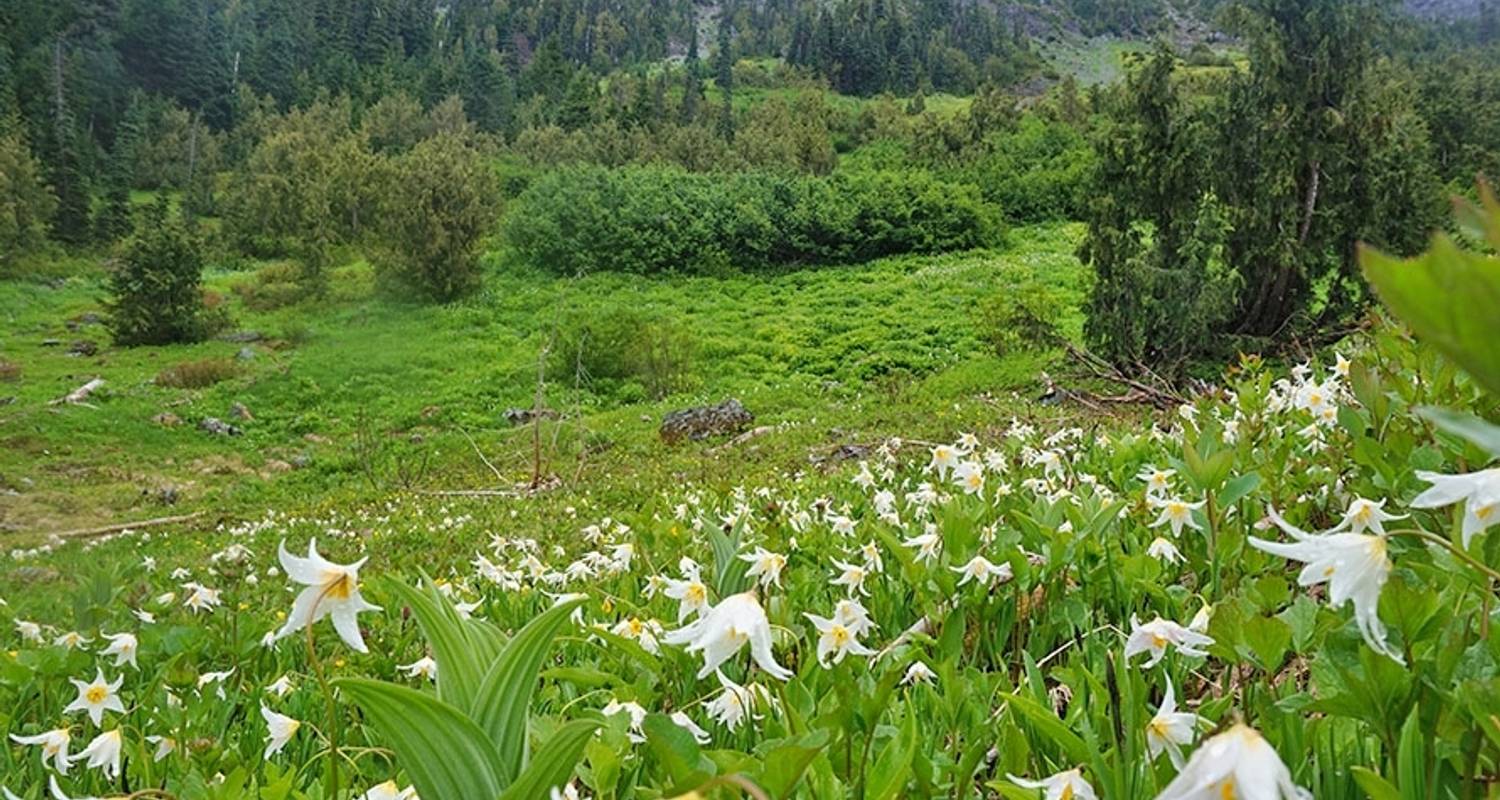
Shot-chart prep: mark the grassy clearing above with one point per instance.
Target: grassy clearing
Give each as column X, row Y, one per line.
column 359, row 395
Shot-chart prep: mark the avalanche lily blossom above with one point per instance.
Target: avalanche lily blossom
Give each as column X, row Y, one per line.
column 1153, row 637
column 1236, row 763
column 96, row 697
column 103, row 753
column 918, row 672
column 423, row 667
column 764, row 565
column 332, row 590
column 980, row 570
column 721, row 631
column 1170, row 729
column 1354, row 565
column 1163, row 550
column 279, row 730
column 1068, row 785
column 690, row 592
column 835, row 638
column 1479, row 491
column 54, row 744
column 122, row 646
column 389, row 791
column 731, row 706
column 1177, row 513
column 1368, row 515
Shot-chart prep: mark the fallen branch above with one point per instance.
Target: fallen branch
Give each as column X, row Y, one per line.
column 1161, row 395
column 77, row 396
column 742, row 438
column 85, row 533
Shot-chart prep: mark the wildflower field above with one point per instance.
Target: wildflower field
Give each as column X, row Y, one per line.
column 1282, row 588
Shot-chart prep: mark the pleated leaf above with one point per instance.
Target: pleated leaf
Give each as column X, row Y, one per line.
column 443, row 751
column 459, row 668
column 553, row 764
column 500, row 705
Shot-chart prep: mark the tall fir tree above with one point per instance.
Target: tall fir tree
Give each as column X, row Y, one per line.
column 724, row 72
column 63, row 154
column 692, row 88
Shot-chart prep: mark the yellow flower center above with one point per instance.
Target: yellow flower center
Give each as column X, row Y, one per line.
column 636, row 627
column 1159, row 727
column 341, row 588
column 1484, row 512
column 96, row 694
column 839, row 634
column 1067, row 792
column 1226, row 792
column 1158, row 641
column 696, row 593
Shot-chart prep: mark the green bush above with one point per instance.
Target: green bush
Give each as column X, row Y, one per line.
column 664, row 220
column 442, row 202
column 623, row 351
column 155, row 297
column 1022, row 317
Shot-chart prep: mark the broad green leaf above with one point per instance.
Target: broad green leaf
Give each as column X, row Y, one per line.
column 888, row 776
column 1411, row 757
column 1465, row 426
column 788, row 759
column 1238, row 489
column 1375, row 787
column 504, row 696
column 678, row 752
column 553, row 763
column 1450, row 298
column 443, row 751
column 459, row 670
column 1049, row 727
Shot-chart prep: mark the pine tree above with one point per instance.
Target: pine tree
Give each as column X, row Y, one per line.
column 64, row 157
column 692, row 88
column 724, row 64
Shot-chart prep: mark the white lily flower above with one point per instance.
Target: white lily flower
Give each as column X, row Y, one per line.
column 30, row 631
column 165, row 745
column 423, row 667
column 122, row 646
column 1480, row 492
column 103, row 753
column 724, row 629
column 1236, row 763
column 279, row 730
column 281, row 687
column 1163, row 550
column 1177, row 513
column 637, row 716
column 917, row 673
column 71, row 640
column 690, row 592
column 1068, row 785
column 852, row 577
column 1170, row 729
column 389, row 791
column 731, row 706
column 1354, row 565
column 96, row 697
column 643, row 632
column 927, row 546
column 54, row 744
column 1158, row 481
column 1155, row 636
column 837, row 639
column 970, row 476
column 686, row 723
column 980, row 570
column 944, row 458
column 332, row 591
column 200, row 598
column 1366, row 515
column 765, row 565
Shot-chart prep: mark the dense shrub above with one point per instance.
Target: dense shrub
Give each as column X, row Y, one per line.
column 25, row 201
column 154, row 289
column 619, row 348
column 655, row 220
column 198, row 374
column 1021, row 317
column 442, row 202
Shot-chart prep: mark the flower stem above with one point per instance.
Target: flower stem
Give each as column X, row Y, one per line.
column 1458, row 552
column 332, row 722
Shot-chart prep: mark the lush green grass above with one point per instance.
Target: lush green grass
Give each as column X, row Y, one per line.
column 376, row 394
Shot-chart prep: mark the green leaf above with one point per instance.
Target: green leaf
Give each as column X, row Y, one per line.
column 504, row 696
column 1376, row 787
column 459, row 670
column 1238, row 489
column 1268, row 639
column 788, row 760
column 553, row 763
column 889, row 774
column 1465, row 426
column 443, row 751
column 1411, row 757
column 1050, row 727
column 1449, row 298
column 678, row 753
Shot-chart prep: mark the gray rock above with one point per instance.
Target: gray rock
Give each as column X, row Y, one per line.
column 240, row 412
column 218, row 427
column 524, row 416
column 246, row 353
column 700, row 423
column 301, row 460
column 83, row 347
column 167, row 419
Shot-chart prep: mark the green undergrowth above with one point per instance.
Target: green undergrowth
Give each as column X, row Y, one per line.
column 358, row 396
